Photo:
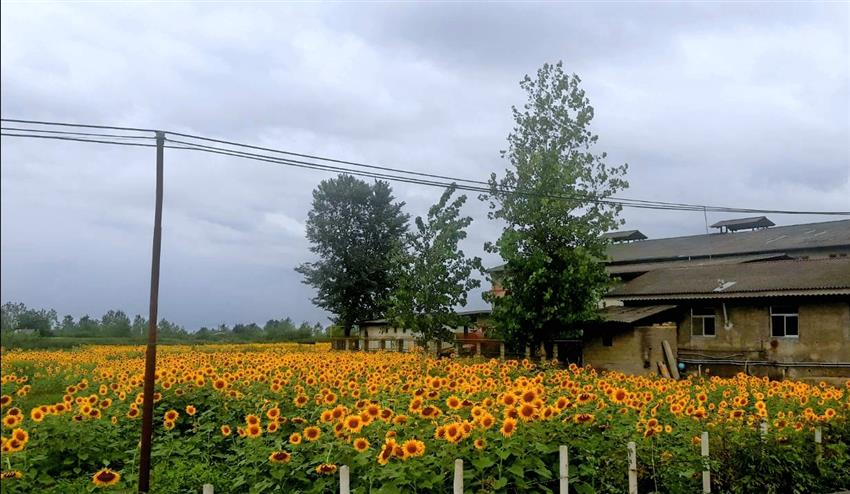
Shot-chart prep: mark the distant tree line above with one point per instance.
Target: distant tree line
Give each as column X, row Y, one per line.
column 19, row 319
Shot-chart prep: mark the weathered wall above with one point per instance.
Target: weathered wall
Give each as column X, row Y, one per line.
column 631, row 348
column 824, row 329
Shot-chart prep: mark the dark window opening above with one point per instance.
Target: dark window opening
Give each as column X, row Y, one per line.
column 784, row 321
column 607, row 341
column 703, row 321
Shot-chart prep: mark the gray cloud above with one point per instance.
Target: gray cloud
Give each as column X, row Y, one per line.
column 731, row 104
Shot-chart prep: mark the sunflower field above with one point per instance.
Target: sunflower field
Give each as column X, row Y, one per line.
column 285, row 417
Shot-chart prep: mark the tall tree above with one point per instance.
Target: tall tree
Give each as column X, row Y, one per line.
column 434, row 274
column 549, row 200
column 115, row 323
column 355, row 228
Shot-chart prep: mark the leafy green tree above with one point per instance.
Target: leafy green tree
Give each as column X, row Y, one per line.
column 115, row 323
column 434, row 274
column 9, row 314
column 68, row 326
column 355, row 228
column 139, row 327
column 88, row 327
column 549, row 200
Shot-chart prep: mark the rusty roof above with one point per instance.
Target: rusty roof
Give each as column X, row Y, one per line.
column 787, row 239
column 614, row 313
column 800, row 277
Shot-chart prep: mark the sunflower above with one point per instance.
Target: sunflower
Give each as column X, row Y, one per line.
column 280, row 457
column 273, row 427
column 10, row 421
column 171, row 415
column 273, row 413
column 225, row 430
column 20, row 435
column 312, row 433
column 5, row 400
column 326, row 469
column 453, row 402
column 168, row 425
column 412, row 448
column 11, row 474
column 105, row 477
column 36, row 415
column 295, row 438
column 527, row 412
column 253, row 431
column 584, row 418
column 252, row 420
column 386, row 452
column 361, row 444
column 190, row 410
column 353, row 423
column 508, row 427
column 480, row 443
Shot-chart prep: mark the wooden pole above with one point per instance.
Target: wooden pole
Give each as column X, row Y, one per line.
column 818, row 442
column 208, row 489
column 150, row 353
column 502, row 350
column 344, row 480
column 564, row 470
column 478, row 349
column 671, row 360
column 706, row 473
column 458, row 483
column 633, row 487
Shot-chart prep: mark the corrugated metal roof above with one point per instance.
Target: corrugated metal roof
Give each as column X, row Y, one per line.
column 632, row 314
column 622, row 236
column 744, row 223
column 643, row 267
column 721, row 280
column 777, row 239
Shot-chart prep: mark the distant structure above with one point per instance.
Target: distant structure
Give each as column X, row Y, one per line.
column 766, row 300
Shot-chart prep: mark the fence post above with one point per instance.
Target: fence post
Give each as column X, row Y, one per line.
column 478, row 349
column 527, row 351
column 208, row 489
column 555, row 351
column 763, row 428
column 818, row 442
column 706, row 473
column 458, row 484
column 564, row 470
column 502, row 350
column 344, row 480
column 632, row 468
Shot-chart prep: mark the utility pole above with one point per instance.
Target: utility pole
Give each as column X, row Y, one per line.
column 150, row 354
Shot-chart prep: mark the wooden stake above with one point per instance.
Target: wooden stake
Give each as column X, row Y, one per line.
column 671, row 360
column 458, row 484
column 633, row 486
column 706, row 474
column 344, row 480
column 564, row 470
column 208, row 489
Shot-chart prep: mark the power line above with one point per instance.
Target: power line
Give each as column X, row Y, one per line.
column 385, row 173
column 78, row 139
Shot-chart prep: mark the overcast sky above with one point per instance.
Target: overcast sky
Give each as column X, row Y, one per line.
column 715, row 103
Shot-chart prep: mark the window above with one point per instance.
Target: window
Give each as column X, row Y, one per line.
column 702, row 321
column 607, row 341
column 784, row 321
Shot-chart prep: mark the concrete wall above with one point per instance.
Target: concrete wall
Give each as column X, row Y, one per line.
column 824, row 328
column 631, row 348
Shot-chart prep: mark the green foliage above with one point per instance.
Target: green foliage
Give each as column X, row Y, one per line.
column 355, row 228
column 433, row 273
column 549, row 201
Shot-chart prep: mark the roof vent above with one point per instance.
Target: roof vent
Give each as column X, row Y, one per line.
column 754, row 223
column 624, row 236
column 723, row 284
